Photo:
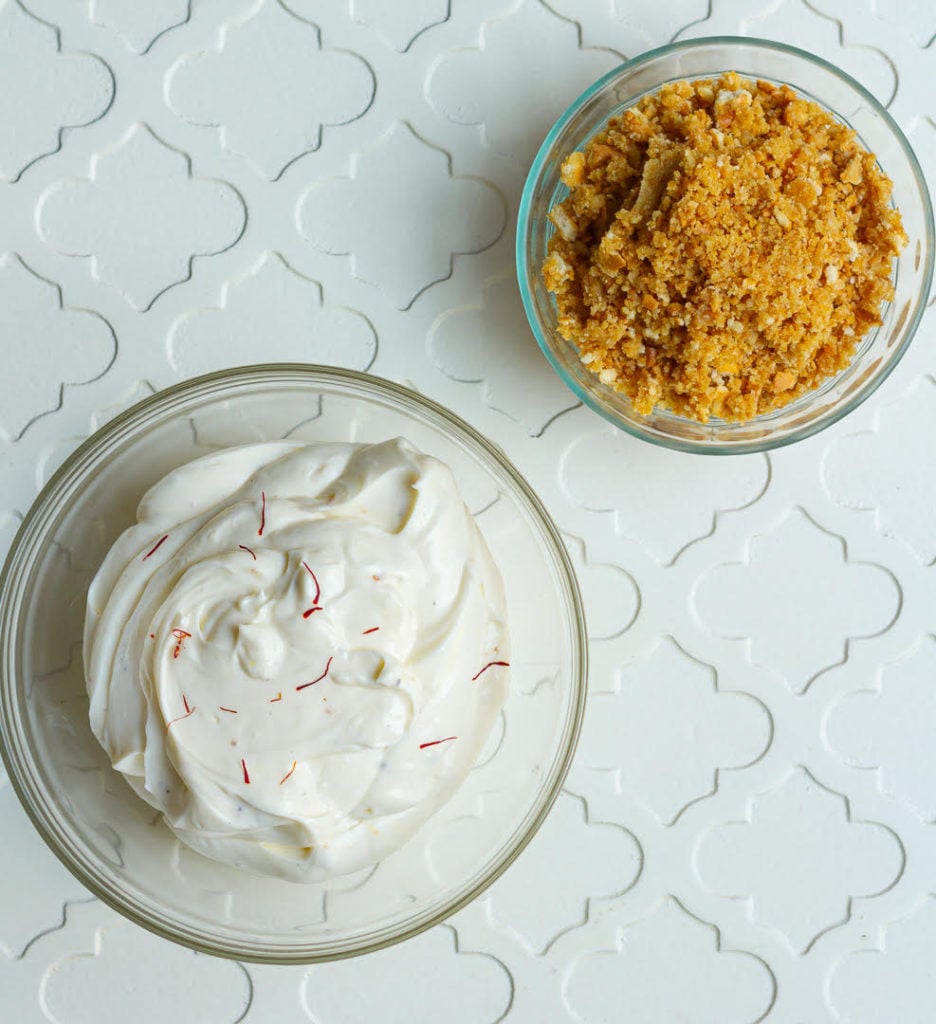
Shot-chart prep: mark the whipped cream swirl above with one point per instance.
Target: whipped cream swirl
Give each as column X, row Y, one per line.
column 298, row 652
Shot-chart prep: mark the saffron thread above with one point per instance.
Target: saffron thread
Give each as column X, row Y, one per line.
column 490, row 664
column 434, row 743
column 318, row 591
column 273, row 700
column 188, row 710
column 373, row 629
column 262, row 513
column 246, row 773
column 244, row 547
column 286, row 776
column 156, row 546
column 181, row 636
column 320, row 678
column 230, row 711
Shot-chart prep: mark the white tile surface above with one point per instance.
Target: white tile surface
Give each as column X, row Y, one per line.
column 747, row 832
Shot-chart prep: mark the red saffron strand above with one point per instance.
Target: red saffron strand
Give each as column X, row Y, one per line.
column 156, row 546
column 181, row 636
column 246, row 774
column 180, row 718
column 320, row 678
column 230, row 711
column 273, row 700
column 262, row 513
column 286, row 776
column 373, row 629
column 434, row 743
column 318, row 589
column 311, row 611
column 188, row 710
column 490, row 664
column 244, row 547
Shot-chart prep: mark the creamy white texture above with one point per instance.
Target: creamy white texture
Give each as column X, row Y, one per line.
column 273, row 653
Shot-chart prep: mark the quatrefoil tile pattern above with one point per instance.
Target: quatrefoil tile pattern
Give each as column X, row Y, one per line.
column 900, row 497
column 124, row 216
column 359, row 990
column 45, row 91
column 270, row 60
column 868, row 986
column 51, row 457
column 680, row 498
column 467, row 344
column 616, row 601
column 657, row 968
column 890, row 728
column 827, row 860
column 105, row 949
column 274, row 310
column 399, row 28
column 33, row 885
column 64, row 346
column 795, row 21
column 747, row 832
column 139, row 25
column 666, row 702
column 631, row 26
column 507, row 60
column 400, row 181
column 763, row 604
column 607, row 863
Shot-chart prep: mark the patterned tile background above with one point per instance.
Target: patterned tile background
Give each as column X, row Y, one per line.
column 747, row 832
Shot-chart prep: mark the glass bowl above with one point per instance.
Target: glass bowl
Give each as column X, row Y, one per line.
column 878, row 352
column 116, row 844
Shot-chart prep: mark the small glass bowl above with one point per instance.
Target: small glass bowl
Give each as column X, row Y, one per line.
column 879, row 351
column 116, row 844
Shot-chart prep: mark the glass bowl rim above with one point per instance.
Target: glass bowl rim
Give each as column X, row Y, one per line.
column 702, row 447
column 32, row 532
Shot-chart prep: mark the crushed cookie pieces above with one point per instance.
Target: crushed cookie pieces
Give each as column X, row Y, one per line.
column 724, row 247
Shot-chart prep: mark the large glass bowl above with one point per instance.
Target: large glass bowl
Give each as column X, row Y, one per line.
column 879, row 351
column 117, row 845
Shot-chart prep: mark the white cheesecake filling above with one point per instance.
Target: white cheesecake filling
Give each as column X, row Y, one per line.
column 298, row 652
